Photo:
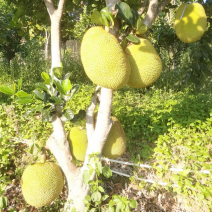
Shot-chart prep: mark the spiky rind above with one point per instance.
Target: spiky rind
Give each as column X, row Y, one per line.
column 41, row 183
column 146, row 65
column 103, row 59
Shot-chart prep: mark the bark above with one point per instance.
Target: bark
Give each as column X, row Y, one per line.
column 153, row 11
column 47, row 44
column 55, row 16
column 144, row 6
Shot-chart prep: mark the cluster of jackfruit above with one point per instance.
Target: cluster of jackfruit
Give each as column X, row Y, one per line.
column 109, row 66
column 114, row 147
column 190, row 22
column 41, row 183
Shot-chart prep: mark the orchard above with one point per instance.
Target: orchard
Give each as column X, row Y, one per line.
column 124, row 126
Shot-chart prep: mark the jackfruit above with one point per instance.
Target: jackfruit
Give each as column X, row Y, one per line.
column 78, row 143
column 193, row 23
column 116, row 142
column 103, row 59
column 41, row 183
column 146, row 65
column 114, row 147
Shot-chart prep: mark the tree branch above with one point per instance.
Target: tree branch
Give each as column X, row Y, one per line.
column 60, row 8
column 144, row 5
column 89, row 115
column 154, row 9
column 50, row 7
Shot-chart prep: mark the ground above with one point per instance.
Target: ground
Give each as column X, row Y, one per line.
column 155, row 201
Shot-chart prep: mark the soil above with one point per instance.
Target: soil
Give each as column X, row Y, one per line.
column 155, row 201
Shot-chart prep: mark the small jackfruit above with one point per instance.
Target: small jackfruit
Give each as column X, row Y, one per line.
column 190, row 22
column 145, row 63
column 103, row 59
column 78, row 143
column 116, row 142
column 41, row 183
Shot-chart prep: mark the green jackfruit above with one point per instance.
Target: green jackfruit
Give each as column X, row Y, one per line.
column 114, row 147
column 103, row 59
column 41, row 183
column 190, row 25
column 146, row 65
column 116, row 142
column 78, row 143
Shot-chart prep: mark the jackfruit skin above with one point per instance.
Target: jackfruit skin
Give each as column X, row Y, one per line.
column 145, row 63
column 103, row 59
column 78, row 143
column 116, row 142
column 41, row 183
column 193, row 23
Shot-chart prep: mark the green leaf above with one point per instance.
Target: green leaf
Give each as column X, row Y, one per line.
column 74, row 90
column 141, row 28
column 67, row 115
column 135, row 17
column 67, row 76
column 104, row 197
column 6, row 90
column 86, row 177
column 96, row 196
column 22, row 94
column 96, row 18
column 107, row 172
column 133, row 203
column 88, row 198
column 55, row 100
column 41, row 86
column 3, row 202
column 99, row 167
column 120, row 206
column 133, row 38
column 104, row 20
column 19, row 84
column 58, row 72
column 24, row 100
column 38, row 95
column 45, row 76
column 59, row 87
column 106, row 13
column 66, row 85
column 101, row 189
column 124, row 12
column 31, row 150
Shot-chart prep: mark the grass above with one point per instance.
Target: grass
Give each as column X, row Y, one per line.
column 168, row 126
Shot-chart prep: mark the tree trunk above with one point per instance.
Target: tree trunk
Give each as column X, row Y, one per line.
column 57, row 142
column 47, row 44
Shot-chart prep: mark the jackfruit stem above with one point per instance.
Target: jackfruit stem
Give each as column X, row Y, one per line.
column 43, row 156
column 107, row 29
column 183, row 11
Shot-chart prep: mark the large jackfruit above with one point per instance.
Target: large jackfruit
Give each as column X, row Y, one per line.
column 103, row 59
column 41, row 183
column 78, row 143
column 193, row 23
column 146, row 65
